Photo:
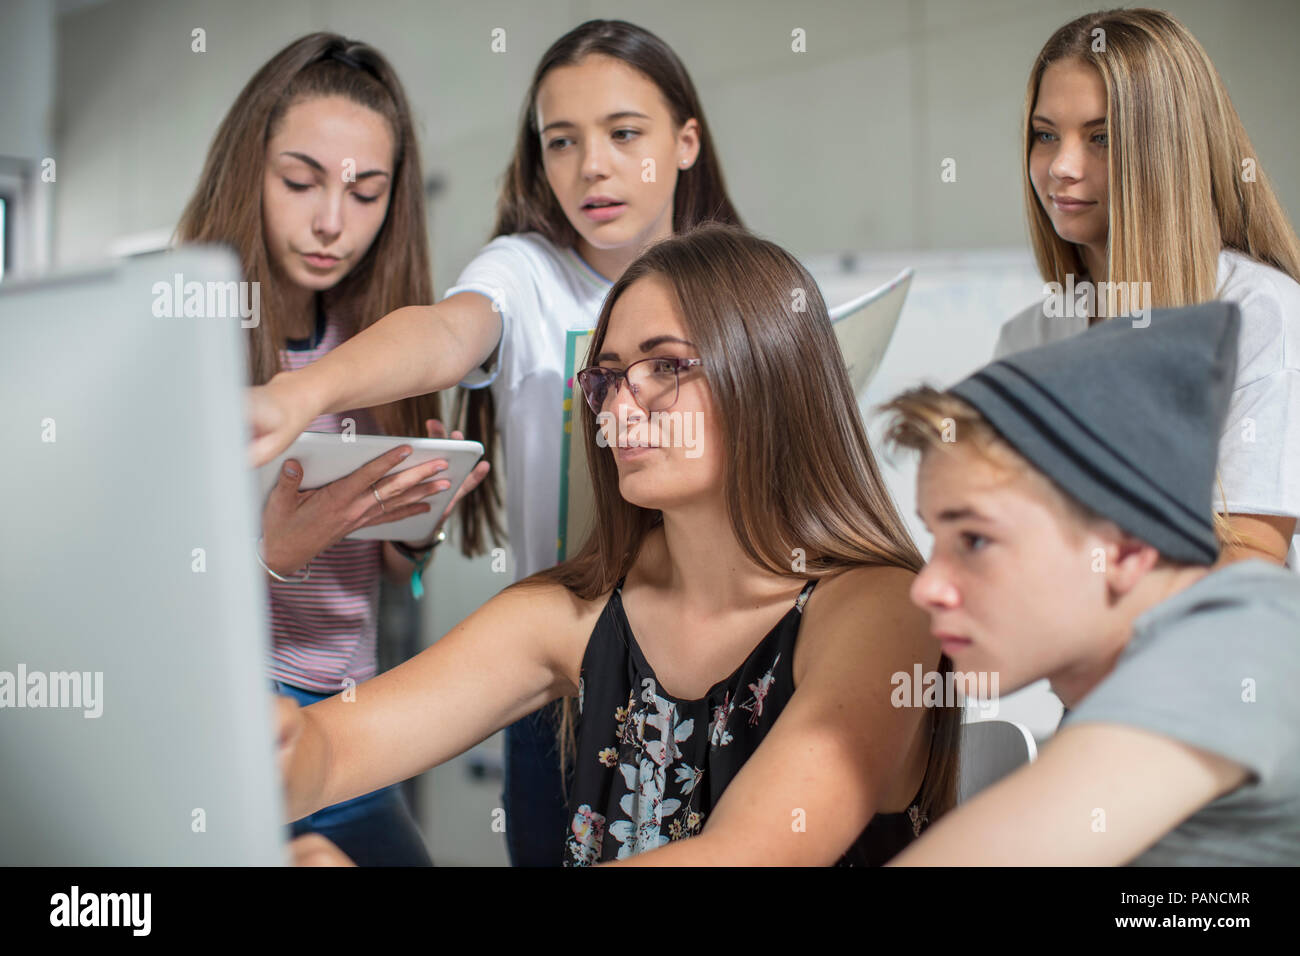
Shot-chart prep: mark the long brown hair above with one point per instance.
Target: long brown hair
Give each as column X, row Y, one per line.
column 799, row 475
column 227, row 203
column 527, row 204
column 1178, row 155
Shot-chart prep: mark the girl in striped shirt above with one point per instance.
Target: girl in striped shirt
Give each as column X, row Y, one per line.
column 314, row 178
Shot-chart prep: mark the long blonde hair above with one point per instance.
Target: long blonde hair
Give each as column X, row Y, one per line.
column 799, row 472
column 1184, row 181
column 1179, row 162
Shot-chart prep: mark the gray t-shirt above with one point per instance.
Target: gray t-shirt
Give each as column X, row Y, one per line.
column 1217, row 666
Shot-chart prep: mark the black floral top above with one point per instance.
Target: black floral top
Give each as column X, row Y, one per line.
column 650, row 768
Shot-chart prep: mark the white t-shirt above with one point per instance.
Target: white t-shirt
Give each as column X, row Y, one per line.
column 1259, row 452
column 542, row 292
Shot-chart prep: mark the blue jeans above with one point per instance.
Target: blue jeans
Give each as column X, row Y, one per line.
column 374, row 829
column 537, row 818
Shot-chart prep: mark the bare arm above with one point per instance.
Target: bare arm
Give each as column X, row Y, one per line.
column 1099, row 795
column 411, row 351
column 511, row 656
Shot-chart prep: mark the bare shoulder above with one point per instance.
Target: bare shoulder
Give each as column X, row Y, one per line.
column 550, row 604
column 863, row 589
column 860, row 614
column 562, row 620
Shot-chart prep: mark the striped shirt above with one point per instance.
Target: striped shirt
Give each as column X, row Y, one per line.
column 324, row 629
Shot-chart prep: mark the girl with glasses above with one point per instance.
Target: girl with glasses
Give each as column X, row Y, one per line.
column 612, row 153
column 727, row 640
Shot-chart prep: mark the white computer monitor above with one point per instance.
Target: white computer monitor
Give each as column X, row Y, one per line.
column 127, row 560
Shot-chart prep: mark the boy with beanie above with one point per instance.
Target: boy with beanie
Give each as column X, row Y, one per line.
column 1069, row 489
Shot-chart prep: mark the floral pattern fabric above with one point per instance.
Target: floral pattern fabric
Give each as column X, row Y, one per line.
column 651, row 767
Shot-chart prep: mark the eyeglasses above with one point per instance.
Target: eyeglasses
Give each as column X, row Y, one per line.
column 652, row 381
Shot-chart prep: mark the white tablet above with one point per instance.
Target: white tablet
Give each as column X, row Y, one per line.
column 327, row 456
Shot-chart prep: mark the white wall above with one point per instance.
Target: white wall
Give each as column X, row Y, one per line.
column 27, row 78
column 836, row 148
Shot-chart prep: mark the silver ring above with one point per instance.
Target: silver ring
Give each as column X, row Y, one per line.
column 379, row 499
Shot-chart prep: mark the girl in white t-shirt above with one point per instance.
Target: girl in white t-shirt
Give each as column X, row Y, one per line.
column 613, row 153
column 1139, row 174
